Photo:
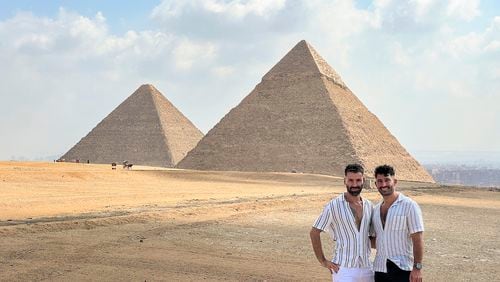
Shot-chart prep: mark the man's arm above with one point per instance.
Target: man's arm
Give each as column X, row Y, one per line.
column 318, row 250
column 418, row 254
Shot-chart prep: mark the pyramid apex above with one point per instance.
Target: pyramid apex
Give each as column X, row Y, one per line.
column 146, row 89
column 303, row 61
column 303, row 44
column 147, row 86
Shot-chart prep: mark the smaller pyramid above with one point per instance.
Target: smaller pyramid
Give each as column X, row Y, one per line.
column 145, row 129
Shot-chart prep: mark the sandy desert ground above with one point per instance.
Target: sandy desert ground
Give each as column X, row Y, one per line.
column 80, row 222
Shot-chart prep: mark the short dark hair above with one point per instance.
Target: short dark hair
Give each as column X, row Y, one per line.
column 384, row 170
column 354, row 168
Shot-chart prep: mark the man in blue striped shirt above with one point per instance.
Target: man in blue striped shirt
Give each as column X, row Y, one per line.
column 399, row 227
column 347, row 219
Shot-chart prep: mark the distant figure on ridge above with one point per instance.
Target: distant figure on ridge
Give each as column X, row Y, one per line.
column 126, row 165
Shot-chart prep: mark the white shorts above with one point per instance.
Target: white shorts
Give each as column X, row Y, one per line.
column 355, row 274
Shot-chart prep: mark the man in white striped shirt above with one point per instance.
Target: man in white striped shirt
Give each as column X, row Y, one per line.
column 399, row 227
column 347, row 219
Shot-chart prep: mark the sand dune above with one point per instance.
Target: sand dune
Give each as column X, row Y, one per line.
column 62, row 221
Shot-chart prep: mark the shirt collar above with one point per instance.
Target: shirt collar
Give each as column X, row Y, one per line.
column 399, row 199
column 342, row 198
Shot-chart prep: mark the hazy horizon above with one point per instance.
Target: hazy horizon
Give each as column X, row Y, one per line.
column 438, row 157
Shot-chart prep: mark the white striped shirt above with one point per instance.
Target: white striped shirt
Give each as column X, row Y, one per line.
column 404, row 218
column 352, row 246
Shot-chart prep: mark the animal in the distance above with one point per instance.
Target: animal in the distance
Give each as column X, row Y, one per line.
column 127, row 165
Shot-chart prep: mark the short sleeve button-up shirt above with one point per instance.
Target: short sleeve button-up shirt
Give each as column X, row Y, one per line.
column 352, row 245
column 394, row 243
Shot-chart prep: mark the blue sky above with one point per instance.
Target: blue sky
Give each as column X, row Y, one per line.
column 120, row 15
column 429, row 69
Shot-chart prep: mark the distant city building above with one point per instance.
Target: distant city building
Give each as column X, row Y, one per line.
column 465, row 175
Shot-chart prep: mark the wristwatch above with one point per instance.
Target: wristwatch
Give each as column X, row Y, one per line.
column 417, row 265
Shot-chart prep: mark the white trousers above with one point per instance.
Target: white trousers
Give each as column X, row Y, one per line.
column 346, row 274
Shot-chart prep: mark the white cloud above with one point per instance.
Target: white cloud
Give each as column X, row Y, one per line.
column 495, row 73
column 400, row 55
column 473, row 43
column 240, row 9
column 341, row 17
column 187, row 53
column 412, row 8
column 423, row 7
column 235, row 9
column 423, row 15
column 465, row 45
column 493, row 46
column 223, row 71
column 169, row 8
column 463, row 9
column 408, row 15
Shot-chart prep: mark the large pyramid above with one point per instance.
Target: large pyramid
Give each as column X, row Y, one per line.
column 301, row 117
column 144, row 129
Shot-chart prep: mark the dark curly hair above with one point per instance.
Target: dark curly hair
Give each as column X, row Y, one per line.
column 354, row 168
column 385, row 170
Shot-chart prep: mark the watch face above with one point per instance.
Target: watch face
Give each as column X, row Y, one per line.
column 418, row 265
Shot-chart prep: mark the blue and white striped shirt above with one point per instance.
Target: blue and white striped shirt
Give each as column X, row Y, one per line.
column 394, row 243
column 352, row 245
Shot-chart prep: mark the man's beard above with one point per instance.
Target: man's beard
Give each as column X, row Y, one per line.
column 386, row 190
column 355, row 192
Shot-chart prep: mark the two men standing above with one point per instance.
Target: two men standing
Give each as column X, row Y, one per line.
column 395, row 226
